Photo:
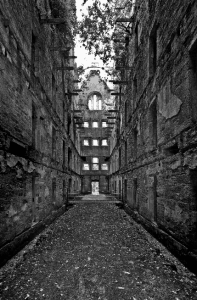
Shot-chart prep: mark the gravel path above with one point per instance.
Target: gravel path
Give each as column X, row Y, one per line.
column 96, row 251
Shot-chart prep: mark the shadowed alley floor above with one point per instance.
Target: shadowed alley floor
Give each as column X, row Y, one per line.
column 96, row 251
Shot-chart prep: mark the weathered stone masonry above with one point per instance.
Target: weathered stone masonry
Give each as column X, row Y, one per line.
column 95, row 156
column 156, row 173
column 37, row 132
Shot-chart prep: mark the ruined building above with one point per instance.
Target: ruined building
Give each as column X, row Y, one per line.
column 153, row 162
column 94, row 134
column 39, row 146
column 57, row 142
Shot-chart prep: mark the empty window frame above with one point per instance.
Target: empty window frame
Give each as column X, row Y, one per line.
column 54, row 189
column 53, row 91
column 34, row 55
column 95, row 167
column 136, row 37
column 193, row 57
column 120, row 164
column 69, row 157
column 54, row 137
column 95, row 102
column 104, row 142
column 104, row 124
column 135, row 133
column 86, row 142
column 193, row 77
column 134, row 193
column 153, row 123
column 135, row 88
column 95, row 142
column 64, row 153
column 34, row 125
column 153, row 51
column 86, row 124
column 95, row 124
column 86, row 167
column 126, row 113
column 104, row 167
column 125, row 152
column 95, row 160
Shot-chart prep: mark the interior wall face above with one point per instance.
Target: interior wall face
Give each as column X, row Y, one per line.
column 156, row 143
column 34, row 140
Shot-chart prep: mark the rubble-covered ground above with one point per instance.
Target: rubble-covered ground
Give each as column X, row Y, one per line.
column 96, row 251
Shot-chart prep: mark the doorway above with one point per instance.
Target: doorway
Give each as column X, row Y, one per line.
column 95, row 187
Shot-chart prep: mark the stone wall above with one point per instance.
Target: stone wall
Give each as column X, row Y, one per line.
column 36, row 125
column 157, row 143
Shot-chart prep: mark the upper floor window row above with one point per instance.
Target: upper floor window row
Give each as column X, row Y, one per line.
column 95, row 142
column 95, row 167
column 95, row 124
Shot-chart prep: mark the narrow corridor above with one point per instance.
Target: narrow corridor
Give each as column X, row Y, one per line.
column 96, row 251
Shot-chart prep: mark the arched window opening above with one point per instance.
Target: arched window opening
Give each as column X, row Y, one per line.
column 95, row 102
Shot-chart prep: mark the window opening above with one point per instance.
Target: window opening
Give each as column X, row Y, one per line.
column 34, row 117
column 136, row 37
column 33, row 53
column 86, row 167
column 64, row 153
column 125, row 152
column 193, row 78
column 94, row 124
column 85, row 124
column 125, row 114
column 135, row 143
column 104, row 167
column 95, row 142
column 119, row 158
column 104, row 124
column 95, row 102
column 86, row 143
column 64, row 190
column 134, row 91
column 54, row 190
column 69, row 158
column 153, row 125
column 53, row 142
column 104, row 142
column 95, row 160
column 153, row 51
column 95, row 167
column 135, row 192
column 53, row 91
column 33, row 199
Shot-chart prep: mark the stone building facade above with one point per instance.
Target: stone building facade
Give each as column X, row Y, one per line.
column 153, row 161
column 94, row 100
column 39, row 147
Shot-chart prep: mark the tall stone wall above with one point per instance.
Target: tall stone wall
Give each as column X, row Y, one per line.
column 157, row 143
column 36, row 125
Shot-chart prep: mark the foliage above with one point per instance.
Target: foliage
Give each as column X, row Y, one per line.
column 80, row 71
column 60, row 9
column 97, row 30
